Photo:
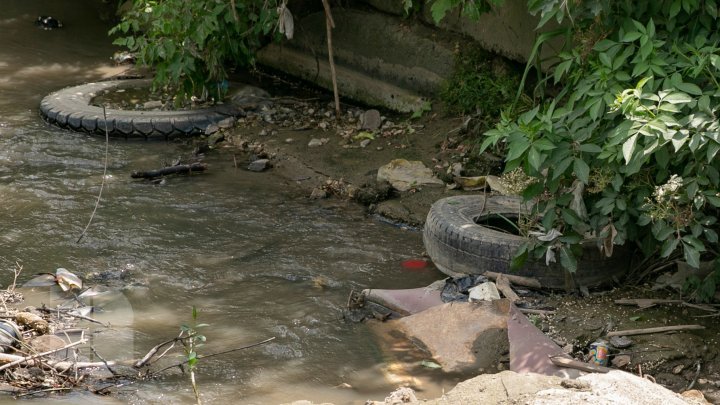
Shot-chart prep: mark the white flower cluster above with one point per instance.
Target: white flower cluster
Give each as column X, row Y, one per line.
column 668, row 190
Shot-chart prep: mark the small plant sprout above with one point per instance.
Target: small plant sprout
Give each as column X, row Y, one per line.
column 192, row 340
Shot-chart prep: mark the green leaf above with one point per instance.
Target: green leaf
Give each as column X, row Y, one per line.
column 677, row 98
column 535, row 159
column 630, row 36
column 692, row 256
column 582, row 170
column 567, row 259
column 628, row 148
column 518, row 261
column 690, row 88
column 669, row 246
column 561, row 167
column 517, row 149
column 674, row 9
column 590, row 148
column 439, row 9
column 603, row 45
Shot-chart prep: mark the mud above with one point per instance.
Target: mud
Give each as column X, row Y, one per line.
column 678, row 361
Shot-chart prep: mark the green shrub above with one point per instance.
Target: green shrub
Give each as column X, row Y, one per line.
column 190, row 43
column 480, row 83
column 627, row 150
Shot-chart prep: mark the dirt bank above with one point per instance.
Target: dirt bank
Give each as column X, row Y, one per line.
column 338, row 161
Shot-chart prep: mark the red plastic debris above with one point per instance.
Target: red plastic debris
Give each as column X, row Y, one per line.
column 414, row 264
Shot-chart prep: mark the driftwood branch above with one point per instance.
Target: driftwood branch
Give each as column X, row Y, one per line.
column 561, row 361
column 661, row 329
column 646, row 302
column 329, row 25
column 503, row 285
column 177, row 169
column 535, row 311
column 517, row 280
column 14, row 360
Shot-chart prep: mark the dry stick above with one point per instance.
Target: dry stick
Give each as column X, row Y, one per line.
column 535, row 311
column 155, row 349
column 329, row 25
column 661, row 329
column 578, row 365
column 503, row 285
column 646, row 302
column 72, row 315
column 517, row 280
column 33, row 357
column 102, row 184
column 215, row 354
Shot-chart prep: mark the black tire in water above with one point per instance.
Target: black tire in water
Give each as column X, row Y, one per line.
column 72, row 108
column 459, row 245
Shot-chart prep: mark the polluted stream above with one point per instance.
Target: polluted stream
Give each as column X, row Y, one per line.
column 252, row 254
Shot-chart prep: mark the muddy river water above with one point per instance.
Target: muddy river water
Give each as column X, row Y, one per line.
column 256, row 258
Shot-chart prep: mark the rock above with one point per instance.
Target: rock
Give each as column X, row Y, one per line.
column 370, row 120
column 227, row 122
column 249, row 94
column 318, row 193
column 461, row 336
column 153, row 105
column 620, row 360
column 484, row 292
column 32, row 321
column 46, row 343
column 215, row 138
column 695, row 396
column 404, row 175
column 211, row 129
column 455, row 169
column 364, row 143
column 507, row 387
column 314, row 143
column 259, row 165
column 621, row 342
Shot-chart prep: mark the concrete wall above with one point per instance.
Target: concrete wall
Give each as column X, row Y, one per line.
column 508, row 30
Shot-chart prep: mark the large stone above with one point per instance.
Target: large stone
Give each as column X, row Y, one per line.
column 462, row 337
column 507, row 387
column 404, row 175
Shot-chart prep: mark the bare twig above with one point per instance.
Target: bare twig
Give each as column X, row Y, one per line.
column 102, row 184
column 329, row 25
column 21, row 359
column 561, row 361
column 646, row 302
column 103, row 360
column 661, row 329
column 155, row 349
column 503, row 285
column 215, row 354
column 70, row 313
column 517, row 280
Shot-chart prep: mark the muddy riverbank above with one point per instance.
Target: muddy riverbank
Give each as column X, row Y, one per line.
column 335, row 162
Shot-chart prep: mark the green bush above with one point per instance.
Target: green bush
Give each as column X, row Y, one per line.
column 627, row 150
column 480, row 83
column 190, row 43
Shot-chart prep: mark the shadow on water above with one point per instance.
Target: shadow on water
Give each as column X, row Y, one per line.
column 255, row 257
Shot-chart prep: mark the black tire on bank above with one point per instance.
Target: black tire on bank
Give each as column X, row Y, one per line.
column 72, row 108
column 458, row 245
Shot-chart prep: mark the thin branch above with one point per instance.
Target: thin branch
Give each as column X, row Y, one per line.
column 37, row 356
column 102, row 184
column 215, row 354
column 330, row 24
